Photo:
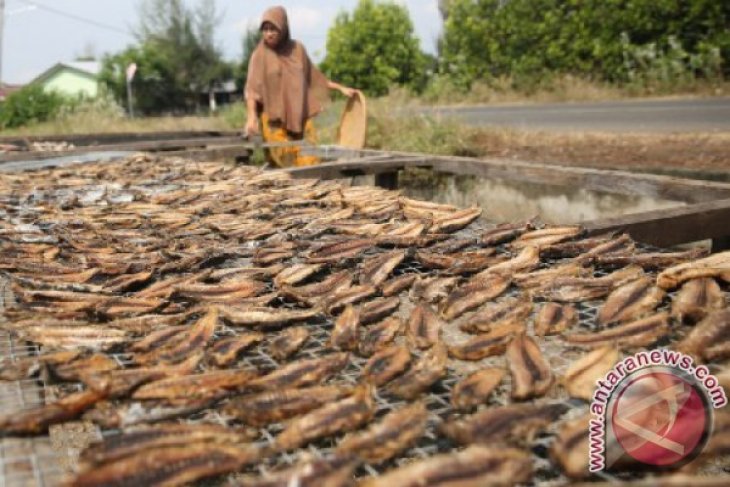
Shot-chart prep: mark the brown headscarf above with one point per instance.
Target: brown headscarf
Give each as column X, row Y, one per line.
column 283, row 80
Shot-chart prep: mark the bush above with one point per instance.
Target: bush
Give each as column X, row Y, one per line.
column 31, row 105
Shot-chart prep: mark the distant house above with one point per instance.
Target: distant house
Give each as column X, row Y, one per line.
column 76, row 78
column 6, row 90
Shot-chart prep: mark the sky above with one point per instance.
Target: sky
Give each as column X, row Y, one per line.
column 39, row 34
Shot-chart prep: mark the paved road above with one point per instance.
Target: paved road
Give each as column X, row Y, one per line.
column 701, row 115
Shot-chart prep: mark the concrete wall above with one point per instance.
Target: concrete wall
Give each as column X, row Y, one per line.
column 72, row 83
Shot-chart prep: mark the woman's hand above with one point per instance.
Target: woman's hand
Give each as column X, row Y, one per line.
column 348, row 92
column 252, row 126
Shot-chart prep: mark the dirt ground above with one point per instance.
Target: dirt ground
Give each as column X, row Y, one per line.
column 704, row 156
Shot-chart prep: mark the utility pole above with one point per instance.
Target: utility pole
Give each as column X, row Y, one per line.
column 2, row 26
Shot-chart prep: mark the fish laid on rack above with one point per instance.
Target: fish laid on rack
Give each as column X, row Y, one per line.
column 423, row 329
column 697, row 298
column 473, row 294
column 544, row 277
column 279, row 405
column 386, row 364
column 577, row 289
column 165, row 336
column 715, row 265
column 338, row 251
column 226, row 351
column 302, row 373
column 112, row 415
column 72, row 370
column 208, row 384
column 145, row 324
column 74, row 337
column 555, row 318
column 396, row 285
column 352, row 295
column 425, row 372
column 630, row 301
column 345, row 333
column 487, row 344
column 144, row 439
column 639, row 333
column 170, row 466
column 546, row 236
column 379, row 336
column 527, row 260
column 495, row 315
column 261, row 317
column 515, row 423
column 288, row 342
column 314, row 293
column 474, row 466
column 452, row 245
column 454, row 221
column 375, row 270
column 531, row 373
column 377, row 309
column 503, row 233
column 396, row 432
column 295, row 274
column 37, row 420
column 432, row 289
column 647, row 260
column 475, row 388
column 126, row 306
column 337, row 417
column 335, row 471
column 710, row 338
column 571, row 448
column 457, row 263
column 195, row 340
column 585, row 249
column 26, row 367
column 581, row 376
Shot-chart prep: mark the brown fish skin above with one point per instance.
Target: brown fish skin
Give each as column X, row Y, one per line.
column 346, row 331
column 207, row 384
column 336, row 471
column 526, row 260
column 475, row 389
column 278, row 405
column 455, row 221
column 515, row 423
column 26, row 367
column 639, row 333
column 197, row 338
column 571, row 447
column 158, row 338
column 338, row 251
column 288, row 342
column 543, row 277
column 429, row 368
column 433, row 289
column 509, row 311
column 71, row 371
column 580, row 378
column 452, row 245
column 352, row 295
column 424, row 327
column 473, row 467
column 170, row 466
column 531, row 373
column 378, row 309
column 386, row 364
column 487, row 344
column 472, row 295
column 93, row 337
column 504, row 233
column 375, row 271
column 296, row 274
column 647, row 261
column 709, row 339
column 547, row 236
column 302, row 373
column 715, row 265
column 265, row 317
column 555, row 318
column 337, row 417
column 109, row 415
column 396, row 285
column 243, row 288
column 312, row 294
column 697, row 298
column 630, row 301
column 585, row 248
column 577, row 289
column 226, row 351
column 121, row 445
column 37, row 420
column 377, row 337
column 395, row 433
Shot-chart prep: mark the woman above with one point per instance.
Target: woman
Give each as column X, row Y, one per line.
column 284, row 90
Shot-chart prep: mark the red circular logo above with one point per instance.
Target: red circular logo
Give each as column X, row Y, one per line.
column 661, row 419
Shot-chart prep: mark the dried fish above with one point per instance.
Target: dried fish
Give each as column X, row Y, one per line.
column 336, row 471
column 639, row 333
column 555, row 318
column 312, row 294
column 278, row 405
column 72, row 370
column 351, row 295
column 196, row 386
column 580, row 378
column 571, row 447
column 123, row 415
column 302, row 372
column 346, row 330
column 547, row 236
column 337, row 417
column 168, row 335
column 379, row 336
column 265, row 317
column 507, row 312
column 454, row 221
column 26, row 367
column 37, row 420
column 472, row 467
column 396, row 285
column 585, row 249
column 295, row 274
column 196, row 340
column 697, row 298
column 424, row 327
column 429, row 368
column 531, row 373
column 515, row 423
column 475, row 389
column 226, row 351
column 710, row 338
column 715, row 265
column 504, row 233
column 487, row 344
column 395, row 433
column 433, row 289
column 473, row 294
column 378, row 309
column 630, row 301
column 386, row 364
column 544, row 277
column 526, row 260
column 647, row 261
column 288, row 342
column 577, row 289
column 338, row 251
column 375, row 270
column 93, row 337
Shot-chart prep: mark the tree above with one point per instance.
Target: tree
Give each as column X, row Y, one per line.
column 373, row 48
column 250, row 40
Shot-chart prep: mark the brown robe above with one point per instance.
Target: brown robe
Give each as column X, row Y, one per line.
column 283, row 81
